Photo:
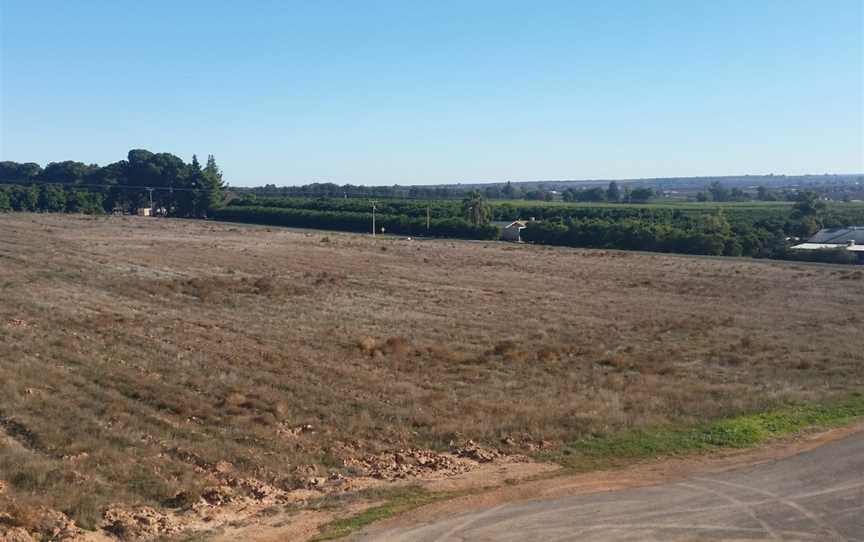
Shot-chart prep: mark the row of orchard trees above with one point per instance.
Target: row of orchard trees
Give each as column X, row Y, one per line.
column 357, row 221
column 698, row 234
column 708, row 234
column 186, row 190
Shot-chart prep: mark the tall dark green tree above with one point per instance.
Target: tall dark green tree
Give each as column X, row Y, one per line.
column 808, row 214
column 52, row 198
column 67, row 172
column 808, row 204
column 5, row 199
column 113, row 180
column 214, row 186
column 197, row 182
column 641, row 194
column 763, row 194
column 718, row 191
column 17, row 172
column 26, row 198
column 613, row 193
column 626, row 194
column 84, row 201
column 474, row 208
column 592, row 194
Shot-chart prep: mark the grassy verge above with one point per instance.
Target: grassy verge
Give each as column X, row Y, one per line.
column 396, row 501
column 624, row 448
column 735, row 432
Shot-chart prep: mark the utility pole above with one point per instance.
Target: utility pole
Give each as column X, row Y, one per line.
column 373, row 219
column 151, row 198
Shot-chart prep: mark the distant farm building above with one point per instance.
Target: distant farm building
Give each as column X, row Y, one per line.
column 850, row 239
column 145, row 211
column 510, row 231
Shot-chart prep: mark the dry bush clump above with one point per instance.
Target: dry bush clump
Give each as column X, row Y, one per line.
column 135, row 380
column 548, row 353
column 368, row 346
column 397, row 346
column 21, row 515
column 445, row 354
column 504, row 347
column 26, row 521
column 393, row 346
column 511, row 352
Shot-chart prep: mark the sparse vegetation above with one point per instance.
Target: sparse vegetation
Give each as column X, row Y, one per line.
column 140, row 360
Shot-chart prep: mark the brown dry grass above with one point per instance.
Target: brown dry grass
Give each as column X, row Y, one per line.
column 135, row 354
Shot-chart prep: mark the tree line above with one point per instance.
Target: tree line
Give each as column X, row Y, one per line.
column 614, row 192
column 179, row 188
column 503, row 191
column 360, row 222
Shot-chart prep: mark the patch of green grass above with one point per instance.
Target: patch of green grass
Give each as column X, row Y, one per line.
column 736, row 432
column 396, row 501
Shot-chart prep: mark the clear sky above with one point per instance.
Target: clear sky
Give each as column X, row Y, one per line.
column 421, row 92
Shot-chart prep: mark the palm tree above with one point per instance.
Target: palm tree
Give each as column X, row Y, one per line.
column 475, row 209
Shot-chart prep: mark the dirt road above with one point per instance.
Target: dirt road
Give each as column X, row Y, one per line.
column 817, row 495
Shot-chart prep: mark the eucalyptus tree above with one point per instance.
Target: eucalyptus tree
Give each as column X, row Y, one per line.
column 475, row 208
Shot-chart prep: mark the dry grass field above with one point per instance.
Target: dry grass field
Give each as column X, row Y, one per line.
column 143, row 359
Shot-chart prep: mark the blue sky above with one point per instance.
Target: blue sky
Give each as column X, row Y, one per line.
column 422, row 92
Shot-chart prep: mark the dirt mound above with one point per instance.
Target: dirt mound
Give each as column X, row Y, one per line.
column 15, row 534
column 309, row 477
column 258, row 490
column 218, row 496
column 223, row 467
column 56, row 525
column 475, row 452
column 26, row 523
column 139, row 523
column 408, row 463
